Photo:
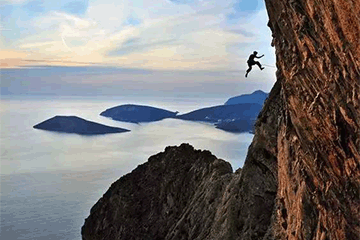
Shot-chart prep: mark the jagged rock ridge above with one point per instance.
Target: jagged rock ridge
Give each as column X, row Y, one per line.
column 301, row 177
column 172, row 196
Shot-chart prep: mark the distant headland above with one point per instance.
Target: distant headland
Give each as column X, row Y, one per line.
column 223, row 113
column 256, row 97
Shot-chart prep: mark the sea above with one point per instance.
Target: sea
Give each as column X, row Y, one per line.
column 50, row 181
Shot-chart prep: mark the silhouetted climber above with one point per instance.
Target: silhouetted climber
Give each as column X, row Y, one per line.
column 252, row 62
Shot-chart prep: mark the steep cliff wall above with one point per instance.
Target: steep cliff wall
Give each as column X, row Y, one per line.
column 318, row 59
column 301, row 178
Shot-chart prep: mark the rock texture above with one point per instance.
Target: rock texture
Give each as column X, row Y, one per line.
column 174, row 195
column 318, row 61
column 73, row 124
column 301, row 178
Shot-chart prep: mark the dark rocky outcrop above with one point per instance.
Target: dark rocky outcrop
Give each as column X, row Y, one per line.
column 301, row 177
column 137, row 113
column 73, row 124
column 255, row 97
column 175, row 195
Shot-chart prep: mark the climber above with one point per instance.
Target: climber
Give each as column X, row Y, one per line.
column 252, row 62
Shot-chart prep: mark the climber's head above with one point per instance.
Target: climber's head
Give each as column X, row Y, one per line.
column 255, row 52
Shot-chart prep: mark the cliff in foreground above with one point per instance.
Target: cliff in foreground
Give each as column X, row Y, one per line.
column 173, row 195
column 301, row 177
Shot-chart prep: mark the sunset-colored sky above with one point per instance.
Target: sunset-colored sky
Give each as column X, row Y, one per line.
column 155, row 35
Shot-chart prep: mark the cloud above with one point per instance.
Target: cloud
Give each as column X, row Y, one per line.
column 14, row 2
column 37, row 6
column 6, row 54
column 182, row 1
column 2, row 28
column 156, row 34
column 75, row 21
column 11, row 58
column 134, row 45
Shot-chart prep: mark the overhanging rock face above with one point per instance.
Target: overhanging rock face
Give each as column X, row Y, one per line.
column 318, row 59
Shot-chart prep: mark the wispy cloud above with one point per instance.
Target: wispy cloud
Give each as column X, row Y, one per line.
column 13, row 1
column 158, row 34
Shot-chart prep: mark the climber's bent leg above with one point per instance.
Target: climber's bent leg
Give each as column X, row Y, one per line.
column 259, row 65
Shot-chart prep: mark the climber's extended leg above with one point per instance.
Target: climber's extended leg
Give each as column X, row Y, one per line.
column 259, row 65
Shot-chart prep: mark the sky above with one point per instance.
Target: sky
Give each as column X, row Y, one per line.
column 133, row 46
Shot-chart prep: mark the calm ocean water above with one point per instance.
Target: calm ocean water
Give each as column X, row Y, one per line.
column 49, row 181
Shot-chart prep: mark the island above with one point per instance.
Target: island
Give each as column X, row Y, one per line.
column 237, row 126
column 225, row 113
column 256, row 97
column 244, row 124
column 237, row 115
column 73, row 124
column 137, row 113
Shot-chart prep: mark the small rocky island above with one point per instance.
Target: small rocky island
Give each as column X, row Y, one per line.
column 73, row 124
column 137, row 113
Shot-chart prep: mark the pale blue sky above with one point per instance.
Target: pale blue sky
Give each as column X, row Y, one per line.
column 162, row 36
